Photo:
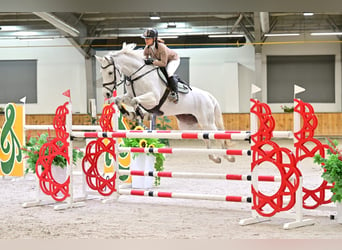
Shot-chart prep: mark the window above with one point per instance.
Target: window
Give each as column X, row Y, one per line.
column 315, row 73
column 18, row 79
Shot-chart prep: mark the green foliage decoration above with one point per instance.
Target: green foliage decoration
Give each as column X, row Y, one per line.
column 33, row 146
column 147, row 143
column 332, row 168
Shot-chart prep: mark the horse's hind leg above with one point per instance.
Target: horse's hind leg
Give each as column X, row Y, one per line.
column 225, row 145
column 212, row 157
column 189, row 122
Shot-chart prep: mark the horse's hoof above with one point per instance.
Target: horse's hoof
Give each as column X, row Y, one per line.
column 131, row 116
column 215, row 159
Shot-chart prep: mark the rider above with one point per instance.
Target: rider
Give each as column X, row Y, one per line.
column 158, row 54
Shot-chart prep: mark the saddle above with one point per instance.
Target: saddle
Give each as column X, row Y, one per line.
column 183, row 86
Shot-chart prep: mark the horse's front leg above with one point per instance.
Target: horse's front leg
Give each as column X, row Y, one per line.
column 147, row 99
column 119, row 101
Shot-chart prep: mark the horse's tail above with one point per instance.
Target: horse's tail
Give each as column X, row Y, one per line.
column 218, row 117
column 217, row 114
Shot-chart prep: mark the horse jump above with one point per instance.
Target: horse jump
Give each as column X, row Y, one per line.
column 111, row 184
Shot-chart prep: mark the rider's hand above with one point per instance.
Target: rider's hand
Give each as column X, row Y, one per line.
column 149, row 61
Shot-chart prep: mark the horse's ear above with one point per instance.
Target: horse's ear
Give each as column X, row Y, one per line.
column 99, row 59
column 127, row 47
column 132, row 45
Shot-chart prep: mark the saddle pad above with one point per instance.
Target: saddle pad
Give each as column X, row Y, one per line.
column 182, row 87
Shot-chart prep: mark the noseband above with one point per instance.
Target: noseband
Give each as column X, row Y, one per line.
column 114, row 82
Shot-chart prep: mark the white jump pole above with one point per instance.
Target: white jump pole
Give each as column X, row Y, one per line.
column 299, row 221
column 115, row 125
column 70, row 200
column 256, row 218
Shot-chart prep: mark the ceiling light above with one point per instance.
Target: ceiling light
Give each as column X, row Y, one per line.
column 168, row 37
column 36, row 38
column 101, row 37
column 282, row 34
column 326, row 34
column 308, row 14
column 7, row 37
column 154, row 16
column 9, row 28
column 26, row 33
column 226, row 35
column 171, row 25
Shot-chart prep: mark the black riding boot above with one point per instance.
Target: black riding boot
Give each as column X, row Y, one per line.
column 174, row 89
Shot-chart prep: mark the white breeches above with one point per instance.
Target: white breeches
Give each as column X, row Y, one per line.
column 172, row 66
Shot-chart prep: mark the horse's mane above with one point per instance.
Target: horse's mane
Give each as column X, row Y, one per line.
column 128, row 49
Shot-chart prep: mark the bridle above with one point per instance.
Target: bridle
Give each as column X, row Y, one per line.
column 130, row 80
column 114, row 82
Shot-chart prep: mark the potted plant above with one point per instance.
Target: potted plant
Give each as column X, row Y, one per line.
column 33, row 146
column 332, row 172
column 287, row 109
column 146, row 143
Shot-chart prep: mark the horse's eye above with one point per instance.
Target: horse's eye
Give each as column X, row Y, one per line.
column 110, row 73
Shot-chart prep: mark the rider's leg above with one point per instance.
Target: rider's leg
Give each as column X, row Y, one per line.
column 174, row 89
column 171, row 69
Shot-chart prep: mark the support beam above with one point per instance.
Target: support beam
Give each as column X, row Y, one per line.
column 246, row 31
column 257, row 32
column 237, row 22
column 90, row 66
column 58, row 23
column 334, row 26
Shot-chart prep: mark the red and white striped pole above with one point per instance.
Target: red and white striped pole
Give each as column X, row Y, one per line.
column 215, row 176
column 163, row 134
column 245, row 152
column 211, row 197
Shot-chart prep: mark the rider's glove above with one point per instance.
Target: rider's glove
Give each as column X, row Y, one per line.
column 149, row 61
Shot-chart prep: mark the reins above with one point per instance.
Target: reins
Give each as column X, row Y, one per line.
column 131, row 81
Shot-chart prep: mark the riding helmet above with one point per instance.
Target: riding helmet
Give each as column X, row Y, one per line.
column 150, row 33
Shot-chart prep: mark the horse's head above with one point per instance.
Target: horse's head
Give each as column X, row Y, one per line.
column 110, row 70
column 110, row 75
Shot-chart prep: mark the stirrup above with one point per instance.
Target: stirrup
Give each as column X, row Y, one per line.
column 173, row 97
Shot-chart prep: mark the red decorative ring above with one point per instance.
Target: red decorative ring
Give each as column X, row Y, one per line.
column 58, row 191
column 290, row 176
column 58, row 146
column 89, row 165
column 59, row 122
column 309, row 120
column 318, row 195
column 266, row 121
column 105, row 120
